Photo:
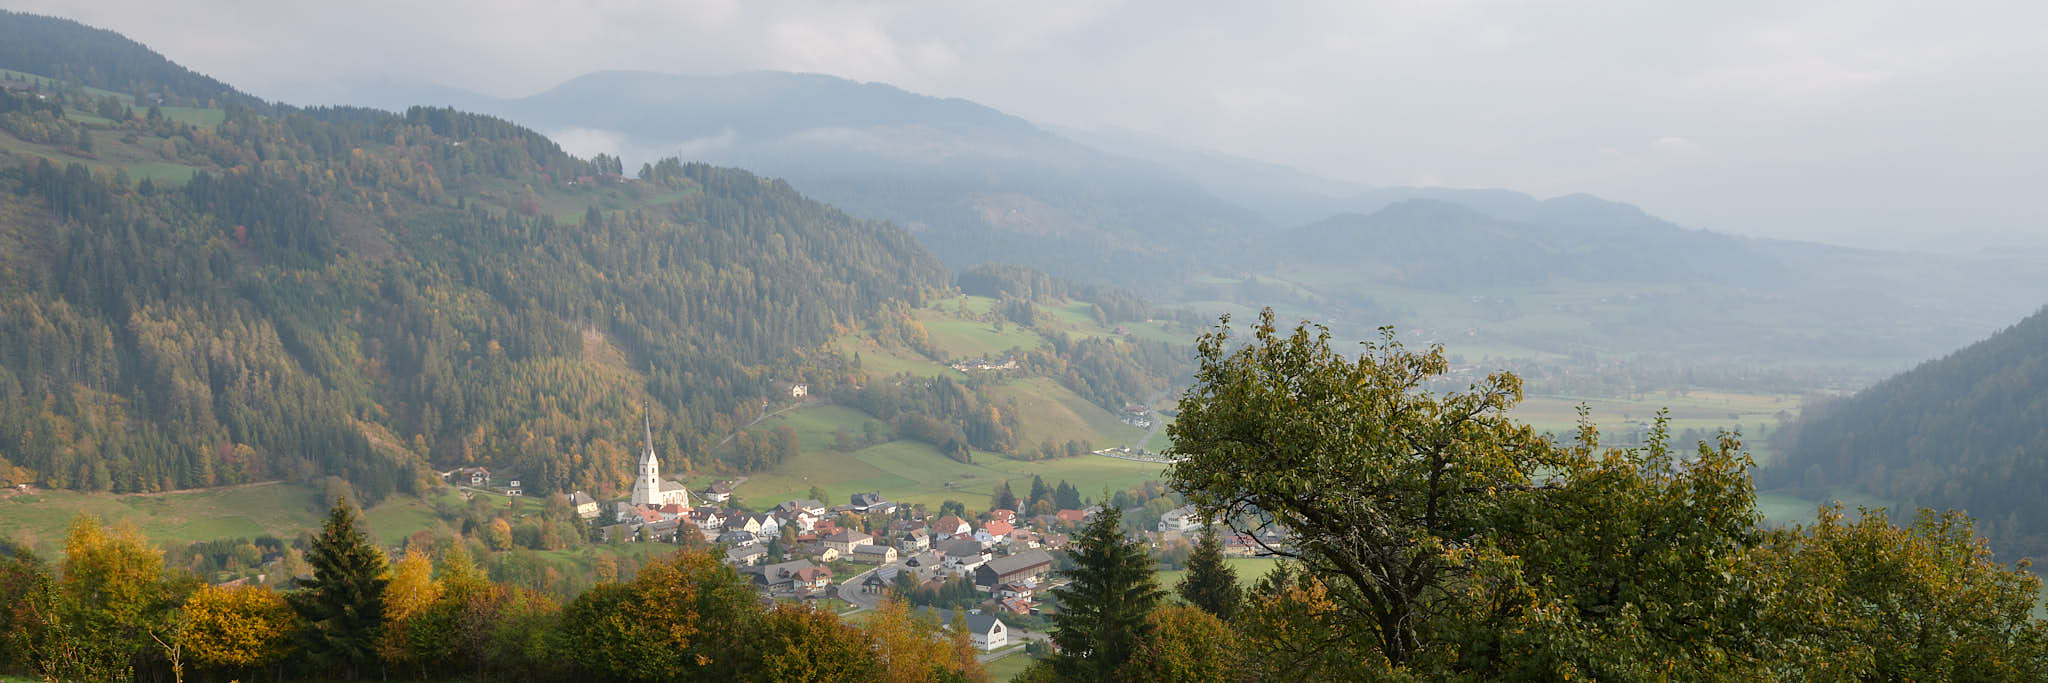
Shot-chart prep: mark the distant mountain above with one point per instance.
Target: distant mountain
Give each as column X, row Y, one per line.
column 1436, row 244
column 974, row 184
column 1967, row 431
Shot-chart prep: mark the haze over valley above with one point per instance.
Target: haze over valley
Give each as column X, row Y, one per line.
column 809, row 342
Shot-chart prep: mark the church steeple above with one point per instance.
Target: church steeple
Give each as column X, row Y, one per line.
column 647, row 487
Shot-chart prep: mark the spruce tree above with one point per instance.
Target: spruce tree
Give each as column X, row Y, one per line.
column 1039, row 491
column 343, row 604
column 1210, row 584
column 1103, row 610
column 1003, row 499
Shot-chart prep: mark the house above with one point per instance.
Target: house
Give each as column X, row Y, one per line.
column 804, row 521
column 738, row 539
column 814, row 578
column 964, row 555
column 765, row 524
column 863, row 501
column 799, row 390
column 949, row 526
column 1019, row 568
column 1183, row 518
column 474, row 476
column 586, row 507
column 663, row 531
column 874, row 554
column 998, row 531
column 1004, row 516
column 1013, row 591
column 779, row 577
column 847, row 540
column 623, row 511
column 987, row 631
column 880, row 580
column 746, row 557
column 1072, row 517
column 671, row 511
column 791, row 507
column 645, row 516
column 708, row 519
column 915, row 539
column 717, row 492
column 512, row 488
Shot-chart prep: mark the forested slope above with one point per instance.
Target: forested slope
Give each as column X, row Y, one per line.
column 1966, row 431
column 368, row 294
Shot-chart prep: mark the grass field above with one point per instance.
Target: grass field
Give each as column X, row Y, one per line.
column 1009, row 666
column 913, row 472
column 883, row 362
column 278, row 509
column 1249, row 569
column 1047, row 410
column 972, row 338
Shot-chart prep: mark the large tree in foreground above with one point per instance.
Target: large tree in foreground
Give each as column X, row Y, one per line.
column 1387, row 490
column 1103, row 611
column 342, row 605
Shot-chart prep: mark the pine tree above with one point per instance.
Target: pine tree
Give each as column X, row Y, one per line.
column 1210, row 584
column 343, row 604
column 1038, row 490
column 1103, row 610
column 1003, row 499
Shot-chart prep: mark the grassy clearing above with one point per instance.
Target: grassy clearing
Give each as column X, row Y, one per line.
column 1249, row 569
column 883, row 362
column 971, row 338
column 1010, row 666
column 1047, row 410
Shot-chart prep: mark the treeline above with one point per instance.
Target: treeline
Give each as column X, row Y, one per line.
column 1967, row 431
column 112, row 611
column 952, row 415
column 1112, row 304
column 332, row 301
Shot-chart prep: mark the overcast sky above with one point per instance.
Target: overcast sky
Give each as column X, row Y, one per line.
column 1875, row 122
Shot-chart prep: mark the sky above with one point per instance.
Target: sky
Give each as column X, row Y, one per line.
column 1884, row 123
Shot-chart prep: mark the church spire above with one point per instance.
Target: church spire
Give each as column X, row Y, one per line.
column 649, row 424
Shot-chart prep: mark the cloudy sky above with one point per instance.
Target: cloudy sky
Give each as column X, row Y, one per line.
column 1872, row 122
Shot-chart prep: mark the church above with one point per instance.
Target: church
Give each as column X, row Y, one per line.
column 650, row 488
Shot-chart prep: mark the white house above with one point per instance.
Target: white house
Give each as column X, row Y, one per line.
column 586, row 507
column 963, row 556
column 988, row 632
column 1183, row 518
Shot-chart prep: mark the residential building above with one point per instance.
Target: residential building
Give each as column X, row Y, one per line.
column 847, row 540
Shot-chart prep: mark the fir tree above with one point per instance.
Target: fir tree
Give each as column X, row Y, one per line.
column 343, row 604
column 1003, row 499
column 1103, row 610
column 1210, row 584
column 1038, row 490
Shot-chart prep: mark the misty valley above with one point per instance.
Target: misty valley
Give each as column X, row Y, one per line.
column 786, row 376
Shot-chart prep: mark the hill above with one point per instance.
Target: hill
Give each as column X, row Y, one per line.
column 1966, row 431
column 375, row 295
column 974, row 184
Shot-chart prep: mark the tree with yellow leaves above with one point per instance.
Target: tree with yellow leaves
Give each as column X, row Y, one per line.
column 238, row 628
column 412, row 590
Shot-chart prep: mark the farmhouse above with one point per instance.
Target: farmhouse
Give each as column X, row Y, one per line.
column 586, row 507
column 963, row 556
column 873, row 554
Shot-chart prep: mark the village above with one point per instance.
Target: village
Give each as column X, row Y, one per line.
column 847, row 556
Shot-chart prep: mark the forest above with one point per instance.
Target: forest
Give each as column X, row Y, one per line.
column 344, row 295
column 1965, row 431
